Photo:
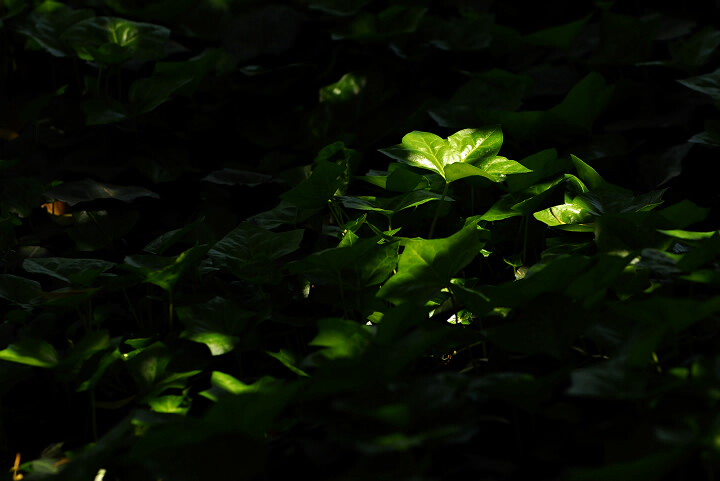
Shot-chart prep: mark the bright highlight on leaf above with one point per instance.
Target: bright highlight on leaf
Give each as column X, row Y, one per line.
column 467, row 153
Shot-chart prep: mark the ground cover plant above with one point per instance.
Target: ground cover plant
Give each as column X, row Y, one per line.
column 358, row 239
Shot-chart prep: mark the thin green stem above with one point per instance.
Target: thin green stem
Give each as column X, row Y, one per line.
column 437, row 211
column 454, row 305
column 338, row 221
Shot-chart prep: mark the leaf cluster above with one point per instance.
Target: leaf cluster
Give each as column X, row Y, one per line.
column 356, row 239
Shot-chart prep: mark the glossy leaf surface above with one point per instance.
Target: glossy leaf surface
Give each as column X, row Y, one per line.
column 473, row 150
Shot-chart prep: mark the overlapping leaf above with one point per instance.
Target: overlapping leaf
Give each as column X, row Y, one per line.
column 426, row 266
column 249, row 252
column 112, row 40
column 73, row 271
column 216, row 323
column 469, row 152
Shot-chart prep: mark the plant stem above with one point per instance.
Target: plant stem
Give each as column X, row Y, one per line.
column 338, row 221
column 437, row 211
column 454, row 305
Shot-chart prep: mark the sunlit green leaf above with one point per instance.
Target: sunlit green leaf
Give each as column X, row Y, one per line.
column 341, row 338
column 149, row 370
column 362, row 264
column 216, row 323
column 477, row 148
column 170, row 404
column 426, row 266
column 33, row 352
column 143, row 41
column 688, row 235
column 345, row 89
column 288, row 360
column 568, row 217
column 89, row 345
column 226, row 384
column 165, row 271
column 315, row 192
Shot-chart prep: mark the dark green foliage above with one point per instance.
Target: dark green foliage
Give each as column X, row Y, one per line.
column 358, row 240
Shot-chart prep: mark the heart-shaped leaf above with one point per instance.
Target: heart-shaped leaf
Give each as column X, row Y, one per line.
column 248, row 252
column 88, row 189
column 127, row 39
column 216, row 323
column 73, row 271
column 33, row 352
column 469, row 152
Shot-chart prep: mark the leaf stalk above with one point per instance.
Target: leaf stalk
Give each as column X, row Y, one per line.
column 437, row 211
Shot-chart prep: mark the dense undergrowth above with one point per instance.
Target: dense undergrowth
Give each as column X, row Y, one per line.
column 358, row 239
